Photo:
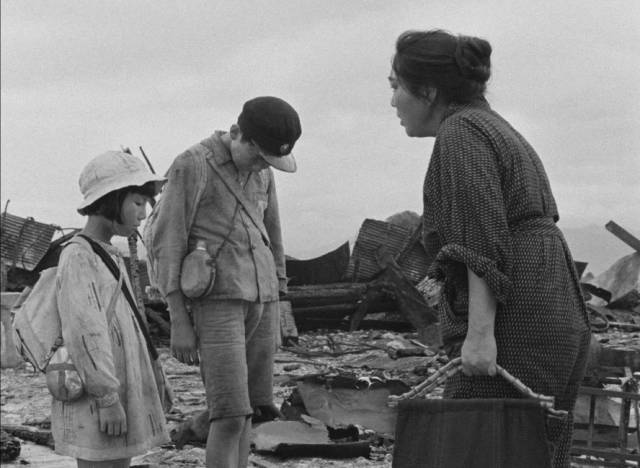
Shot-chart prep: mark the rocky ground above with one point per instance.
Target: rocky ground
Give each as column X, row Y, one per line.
column 24, row 399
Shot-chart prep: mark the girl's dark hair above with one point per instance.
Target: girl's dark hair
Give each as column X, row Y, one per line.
column 110, row 204
column 457, row 66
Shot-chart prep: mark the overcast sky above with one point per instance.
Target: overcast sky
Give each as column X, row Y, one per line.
column 79, row 78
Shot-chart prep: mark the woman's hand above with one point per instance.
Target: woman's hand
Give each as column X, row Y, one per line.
column 113, row 419
column 479, row 353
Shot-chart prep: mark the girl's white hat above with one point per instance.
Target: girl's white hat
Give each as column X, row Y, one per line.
column 111, row 171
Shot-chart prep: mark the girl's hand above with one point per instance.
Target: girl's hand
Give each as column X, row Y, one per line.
column 479, row 354
column 113, row 419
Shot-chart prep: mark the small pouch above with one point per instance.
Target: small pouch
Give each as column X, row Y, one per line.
column 198, row 272
column 63, row 380
column 198, row 269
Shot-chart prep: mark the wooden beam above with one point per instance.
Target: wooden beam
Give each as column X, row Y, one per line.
column 288, row 330
column 323, row 294
column 624, row 235
column 32, row 434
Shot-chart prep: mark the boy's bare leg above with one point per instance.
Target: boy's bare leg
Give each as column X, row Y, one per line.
column 245, row 444
column 223, row 442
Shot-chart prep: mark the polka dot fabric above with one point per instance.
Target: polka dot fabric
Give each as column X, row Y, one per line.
column 488, row 201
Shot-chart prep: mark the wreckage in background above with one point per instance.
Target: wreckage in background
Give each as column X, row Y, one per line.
column 388, row 260
column 26, row 248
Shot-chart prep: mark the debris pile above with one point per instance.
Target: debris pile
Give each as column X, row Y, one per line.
column 607, row 414
column 355, row 329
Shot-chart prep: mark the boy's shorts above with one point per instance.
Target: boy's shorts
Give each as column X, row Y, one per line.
column 236, row 341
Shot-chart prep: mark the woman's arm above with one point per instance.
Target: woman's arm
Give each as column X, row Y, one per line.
column 479, row 350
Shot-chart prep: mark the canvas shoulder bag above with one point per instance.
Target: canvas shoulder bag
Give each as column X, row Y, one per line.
column 37, row 334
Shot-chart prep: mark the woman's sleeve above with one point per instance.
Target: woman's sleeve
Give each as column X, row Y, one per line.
column 470, row 216
column 84, row 325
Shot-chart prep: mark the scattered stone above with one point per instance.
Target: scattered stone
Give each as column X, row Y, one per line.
column 9, row 447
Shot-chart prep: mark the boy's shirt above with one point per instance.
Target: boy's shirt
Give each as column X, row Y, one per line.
column 246, row 267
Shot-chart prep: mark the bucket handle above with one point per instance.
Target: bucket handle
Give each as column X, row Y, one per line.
column 453, row 367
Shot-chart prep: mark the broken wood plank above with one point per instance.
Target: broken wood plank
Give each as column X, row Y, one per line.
column 619, row 356
column 624, row 235
column 602, row 454
column 288, row 329
column 409, row 300
column 38, row 436
column 324, row 311
column 322, row 294
column 343, row 309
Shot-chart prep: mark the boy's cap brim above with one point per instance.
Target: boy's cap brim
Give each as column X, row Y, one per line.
column 285, row 163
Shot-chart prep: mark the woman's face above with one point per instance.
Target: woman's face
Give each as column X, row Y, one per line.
column 415, row 114
column 132, row 212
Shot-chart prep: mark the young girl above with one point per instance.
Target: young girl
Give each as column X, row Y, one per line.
column 120, row 414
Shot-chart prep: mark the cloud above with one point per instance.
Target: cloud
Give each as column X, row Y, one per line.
column 82, row 77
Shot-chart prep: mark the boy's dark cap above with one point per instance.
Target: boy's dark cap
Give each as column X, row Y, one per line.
column 274, row 125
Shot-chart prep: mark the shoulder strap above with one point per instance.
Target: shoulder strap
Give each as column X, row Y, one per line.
column 200, row 160
column 242, row 199
column 115, row 271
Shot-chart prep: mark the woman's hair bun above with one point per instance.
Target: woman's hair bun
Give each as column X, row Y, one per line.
column 473, row 58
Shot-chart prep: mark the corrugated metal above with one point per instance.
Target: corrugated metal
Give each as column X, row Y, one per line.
column 24, row 241
column 375, row 234
column 415, row 263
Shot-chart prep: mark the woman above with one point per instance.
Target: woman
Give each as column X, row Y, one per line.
column 511, row 294
column 120, row 414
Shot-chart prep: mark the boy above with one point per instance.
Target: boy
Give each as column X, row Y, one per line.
column 222, row 191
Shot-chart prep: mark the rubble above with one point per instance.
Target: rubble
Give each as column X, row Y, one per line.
column 307, row 437
column 9, row 447
column 622, row 279
column 340, row 401
column 334, row 366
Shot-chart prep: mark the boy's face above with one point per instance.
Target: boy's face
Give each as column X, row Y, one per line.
column 246, row 155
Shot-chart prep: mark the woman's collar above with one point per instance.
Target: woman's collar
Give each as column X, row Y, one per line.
column 477, row 103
